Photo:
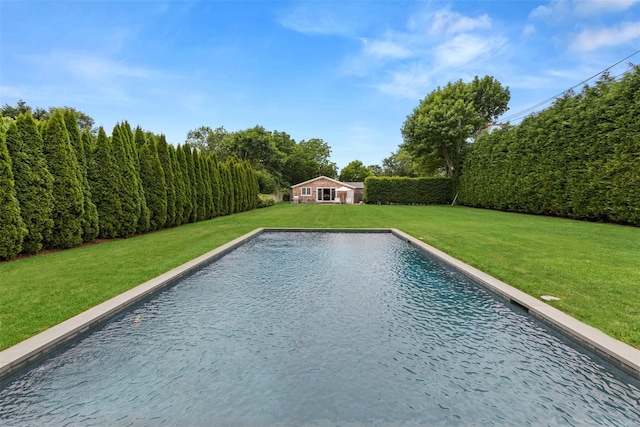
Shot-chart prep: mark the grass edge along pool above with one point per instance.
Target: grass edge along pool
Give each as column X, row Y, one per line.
column 26, row 353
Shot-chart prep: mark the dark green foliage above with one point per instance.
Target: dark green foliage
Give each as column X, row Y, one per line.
column 193, row 180
column 408, row 191
column 90, row 216
column 33, row 182
column 104, row 180
column 216, row 185
column 169, row 175
column 186, row 179
column 580, row 158
column 144, row 220
column 180, row 185
column 154, row 184
column 68, row 198
column 12, row 229
column 206, row 177
column 128, row 186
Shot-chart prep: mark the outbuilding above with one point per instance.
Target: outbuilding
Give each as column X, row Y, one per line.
column 327, row 190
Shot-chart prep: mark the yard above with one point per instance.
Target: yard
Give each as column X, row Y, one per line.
column 593, row 268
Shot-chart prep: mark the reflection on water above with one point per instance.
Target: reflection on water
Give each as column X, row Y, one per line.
column 322, row 329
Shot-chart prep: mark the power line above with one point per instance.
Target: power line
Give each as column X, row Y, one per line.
column 539, row 104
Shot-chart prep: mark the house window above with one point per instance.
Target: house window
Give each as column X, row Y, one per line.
column 306, row 191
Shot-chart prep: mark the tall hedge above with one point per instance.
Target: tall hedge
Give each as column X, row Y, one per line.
column 127, row 179
column 169, row 176
column 12, row 229
column 103, row 178
column 186, row 179
column 408, row 191
column 153, row 181
column 68, row 198
column 144, row 220
column 90, row 216
column 33, row 182
column 580, row 158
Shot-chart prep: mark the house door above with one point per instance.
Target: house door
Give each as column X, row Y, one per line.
column 326, row 195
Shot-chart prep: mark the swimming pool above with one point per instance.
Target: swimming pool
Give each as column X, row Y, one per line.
column 322, row 329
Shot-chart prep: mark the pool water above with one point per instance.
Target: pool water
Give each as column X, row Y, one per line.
column 322, row 329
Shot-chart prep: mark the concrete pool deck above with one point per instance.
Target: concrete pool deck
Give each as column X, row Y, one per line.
column 29, row 351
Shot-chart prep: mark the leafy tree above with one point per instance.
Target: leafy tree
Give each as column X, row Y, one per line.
column 33, row 183
column 439, row 128
column 355, row 171
column 12, row 229
column 169, row 176
column 144, row 220
column 154, row 183
column 128, row 187
column 103, row 178
column 209, row 140
column 90, row 216
column 266, row 183
column 186, row 179
column 68, row 199
column 307, row 160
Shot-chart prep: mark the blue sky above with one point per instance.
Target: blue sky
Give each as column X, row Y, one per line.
column 348, row 72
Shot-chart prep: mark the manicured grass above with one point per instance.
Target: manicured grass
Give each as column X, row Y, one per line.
column 592, row 268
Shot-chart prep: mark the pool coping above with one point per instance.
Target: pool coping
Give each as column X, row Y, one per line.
column 27, row 352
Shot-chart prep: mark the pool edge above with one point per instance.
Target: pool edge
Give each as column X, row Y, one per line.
column 619, row 354
column 27, row 352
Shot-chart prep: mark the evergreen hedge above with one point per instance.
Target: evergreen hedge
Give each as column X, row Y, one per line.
column 12, row 229
column 408, row 191
column 580, row 158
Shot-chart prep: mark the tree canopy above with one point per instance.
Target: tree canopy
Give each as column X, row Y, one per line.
column 440, row 126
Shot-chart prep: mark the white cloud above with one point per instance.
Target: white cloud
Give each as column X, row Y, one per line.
column 314, row 18
column 446, row 22
column 464, row 49
column 588, row 7
column 528, row 30
column 88, row 66
column 385, row 49
column 411, row 82
column 596, row 38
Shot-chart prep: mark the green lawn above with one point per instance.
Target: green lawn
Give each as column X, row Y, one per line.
column 593, row 268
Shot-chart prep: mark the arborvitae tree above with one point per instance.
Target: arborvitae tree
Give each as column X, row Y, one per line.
column 231, row 187
column 194, row 183
column 206, row 172
column 88, row 145
column 253, row 186
column 154, row 184
column 216, row 185
column 68, row 199
column 33, row 182
column 12, row 229
column 202, row 191
column 181, row 192
column 127, row 182
column 90, row 216
column 103, row 178
column 165, row 160
column 144, row 221
column 188, row 202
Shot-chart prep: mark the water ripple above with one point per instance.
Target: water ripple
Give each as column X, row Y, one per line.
column 322, row 329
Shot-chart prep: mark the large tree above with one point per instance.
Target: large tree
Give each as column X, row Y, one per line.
column 103, row 179
column 12, row 229
column 446, row 119
column 355, row 171
column 68, row 198
column 34, row 183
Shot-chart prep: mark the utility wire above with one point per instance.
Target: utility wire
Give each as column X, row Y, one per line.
column 539, row 104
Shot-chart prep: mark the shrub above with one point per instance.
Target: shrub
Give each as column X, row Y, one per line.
column 265, row 200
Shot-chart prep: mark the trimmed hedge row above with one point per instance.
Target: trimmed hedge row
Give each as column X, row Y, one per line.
column 579, row 158
column 407, row 191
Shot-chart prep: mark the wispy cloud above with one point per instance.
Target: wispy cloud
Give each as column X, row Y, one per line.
column 449, row 23
column 314, row 18
column 596, row 38
column 598, row 6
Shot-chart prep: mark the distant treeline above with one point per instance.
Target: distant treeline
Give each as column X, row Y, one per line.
column 60, row 186
column 580, row 158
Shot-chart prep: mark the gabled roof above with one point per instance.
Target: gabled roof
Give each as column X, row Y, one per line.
column 338, row 183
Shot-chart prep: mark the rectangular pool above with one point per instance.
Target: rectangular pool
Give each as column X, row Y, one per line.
column 309, row 328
